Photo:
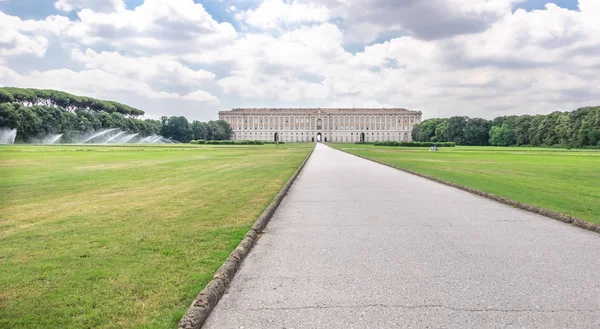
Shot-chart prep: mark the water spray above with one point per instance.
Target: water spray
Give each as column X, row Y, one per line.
column 128, row 138
column 98, row 134
column 115, row 136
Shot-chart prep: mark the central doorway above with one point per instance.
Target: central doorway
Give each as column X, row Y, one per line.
column 276, row 137
column 319, row 138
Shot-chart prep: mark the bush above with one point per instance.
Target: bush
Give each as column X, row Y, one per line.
column 415, row 144
column 220, row 142
column 247, row 142
column 230, row 142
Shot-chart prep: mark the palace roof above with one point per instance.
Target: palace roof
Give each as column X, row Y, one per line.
column 352, row 111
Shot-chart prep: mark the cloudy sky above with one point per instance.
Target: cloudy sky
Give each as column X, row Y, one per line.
column 183, row 57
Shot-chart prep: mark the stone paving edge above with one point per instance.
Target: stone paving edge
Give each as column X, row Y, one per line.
column 581, row 223
column 208, row 298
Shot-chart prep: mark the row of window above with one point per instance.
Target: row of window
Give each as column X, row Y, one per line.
column 307, row 138
column 335, row 121
column 321, row 128
column 307, row 134
column 307, row 120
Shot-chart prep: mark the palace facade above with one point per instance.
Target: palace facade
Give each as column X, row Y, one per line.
column 342, row 125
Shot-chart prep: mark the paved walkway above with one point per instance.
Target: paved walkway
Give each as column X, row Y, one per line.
column 359, row 245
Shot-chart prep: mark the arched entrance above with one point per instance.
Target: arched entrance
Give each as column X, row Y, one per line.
column 319, row 138
column 362, row 137
column 276, row 137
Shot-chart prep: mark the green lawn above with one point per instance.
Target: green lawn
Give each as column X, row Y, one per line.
column 565, row 181
column 125, row 236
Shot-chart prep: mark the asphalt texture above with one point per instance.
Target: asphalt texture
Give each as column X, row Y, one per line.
column 356, row 244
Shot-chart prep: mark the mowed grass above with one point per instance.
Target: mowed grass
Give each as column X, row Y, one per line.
column 125, row 237
column 565, row 181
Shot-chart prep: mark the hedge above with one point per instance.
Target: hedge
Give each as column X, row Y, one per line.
column 228, row 142
column 415, row 144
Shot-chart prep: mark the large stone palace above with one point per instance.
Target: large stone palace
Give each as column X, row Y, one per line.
column 345, row 125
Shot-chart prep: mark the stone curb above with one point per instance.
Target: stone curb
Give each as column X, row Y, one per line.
column 523, row 206
column 208, row 298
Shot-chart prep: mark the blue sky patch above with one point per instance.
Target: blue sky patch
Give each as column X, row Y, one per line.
column 541, row 4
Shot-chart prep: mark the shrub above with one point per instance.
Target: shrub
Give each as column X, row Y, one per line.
column 415, row 144
column 230, row 142
column 248, row 142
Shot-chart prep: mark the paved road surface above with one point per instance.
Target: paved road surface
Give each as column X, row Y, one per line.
column 359, row 245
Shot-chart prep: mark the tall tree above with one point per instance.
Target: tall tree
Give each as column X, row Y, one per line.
column 502, row 136
column 177, row 128
column 455, row 130
column 426, row 130
column 476, row 132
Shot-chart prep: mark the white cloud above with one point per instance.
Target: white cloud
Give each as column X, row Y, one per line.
column 273, row 13
column 28, row 37
column 548, row 38
column 96, row 5
column 163, row 69
column 156, row 26
column 15, row 43
column 202, row 96
column 432, row 19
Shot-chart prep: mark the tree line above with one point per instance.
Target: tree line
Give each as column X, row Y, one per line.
column 69, row 102
column 36, row 113
column 575, row 129
column 180, row 129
